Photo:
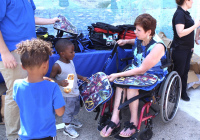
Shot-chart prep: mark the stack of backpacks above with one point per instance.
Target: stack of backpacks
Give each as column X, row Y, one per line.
column 103, row 35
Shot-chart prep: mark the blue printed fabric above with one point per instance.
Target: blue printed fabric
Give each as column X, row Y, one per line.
column 139, row 54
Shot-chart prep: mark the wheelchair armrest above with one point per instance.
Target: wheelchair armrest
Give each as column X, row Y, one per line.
column 125, row 59
column 166, row 65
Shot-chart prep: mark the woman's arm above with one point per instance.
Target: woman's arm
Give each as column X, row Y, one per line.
column 45, row 21
column 183, row 32
column 197, row 36
column 151, row 60
column 122, row 42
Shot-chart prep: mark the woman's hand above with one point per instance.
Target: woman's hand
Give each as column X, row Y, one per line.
column 196, row 41
column 55, row 19
column 112, row 77
column 121, row 42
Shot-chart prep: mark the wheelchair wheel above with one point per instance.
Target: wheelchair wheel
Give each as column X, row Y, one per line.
column 128, row 66
column 147, row 134
column 170, row 96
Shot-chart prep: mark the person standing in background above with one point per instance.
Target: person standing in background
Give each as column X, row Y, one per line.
column 17, row 23
column 183, row 41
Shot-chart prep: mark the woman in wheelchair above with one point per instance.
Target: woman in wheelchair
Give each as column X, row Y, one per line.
column 148, row 52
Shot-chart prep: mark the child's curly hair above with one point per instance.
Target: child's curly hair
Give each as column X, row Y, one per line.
column 34, row 52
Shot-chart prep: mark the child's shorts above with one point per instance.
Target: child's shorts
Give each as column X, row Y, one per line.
column 72, row 108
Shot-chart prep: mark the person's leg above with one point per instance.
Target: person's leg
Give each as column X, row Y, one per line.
column 115, row 116
column 185, row 74
column 68, row 114
column 181, row 60
column 75, row 122
column 68, row 117
column 77, row 106
column 12, row 119
column 134, row 111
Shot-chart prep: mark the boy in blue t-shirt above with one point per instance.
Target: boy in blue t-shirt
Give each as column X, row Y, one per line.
column 37, row 98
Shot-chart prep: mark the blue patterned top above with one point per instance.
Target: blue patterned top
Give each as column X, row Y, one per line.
column 139, row 54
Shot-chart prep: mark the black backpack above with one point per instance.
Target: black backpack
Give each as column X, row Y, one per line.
column 103, row 40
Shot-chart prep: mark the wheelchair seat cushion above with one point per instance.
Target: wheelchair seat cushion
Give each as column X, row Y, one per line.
column 137, row 80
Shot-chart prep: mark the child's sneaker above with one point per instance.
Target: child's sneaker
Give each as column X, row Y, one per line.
column 76, row 123
column 70, row 131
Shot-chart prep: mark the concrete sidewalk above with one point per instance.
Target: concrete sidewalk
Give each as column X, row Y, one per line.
column 183, row 127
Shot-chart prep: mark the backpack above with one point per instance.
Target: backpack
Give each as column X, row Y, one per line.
column 42, row 33
column 127, row 33
column 103, row 35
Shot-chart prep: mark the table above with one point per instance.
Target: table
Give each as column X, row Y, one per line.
column 90, row 62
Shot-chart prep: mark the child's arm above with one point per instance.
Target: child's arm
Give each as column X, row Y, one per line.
column 57, row 70
column 82, row 78
column 60, row 111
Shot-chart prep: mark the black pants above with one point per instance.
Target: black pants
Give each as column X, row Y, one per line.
column 181, row 59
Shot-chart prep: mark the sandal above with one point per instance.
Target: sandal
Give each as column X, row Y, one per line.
column 128, row 125
column 115, row 128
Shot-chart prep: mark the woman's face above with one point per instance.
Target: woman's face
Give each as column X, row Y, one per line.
column 140, row 33
column 189, row 3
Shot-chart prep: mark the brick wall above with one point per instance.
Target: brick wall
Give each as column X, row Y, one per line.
column 82, row 13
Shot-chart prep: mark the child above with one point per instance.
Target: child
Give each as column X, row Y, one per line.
column 60, row 71
column 38, row 99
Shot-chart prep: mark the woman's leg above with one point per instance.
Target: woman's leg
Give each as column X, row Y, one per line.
column 115, row 116
column 134, row 111
column 181, row 60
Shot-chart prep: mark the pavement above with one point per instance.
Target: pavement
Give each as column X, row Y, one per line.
column 183, row 127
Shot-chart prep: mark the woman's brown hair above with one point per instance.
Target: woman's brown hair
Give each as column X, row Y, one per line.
column 180, row 2
column 147, row 22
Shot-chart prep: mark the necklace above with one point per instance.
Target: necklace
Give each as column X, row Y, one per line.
column 145, row 44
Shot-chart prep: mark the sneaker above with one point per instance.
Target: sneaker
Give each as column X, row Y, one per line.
column 76, row 123
column 70, row 131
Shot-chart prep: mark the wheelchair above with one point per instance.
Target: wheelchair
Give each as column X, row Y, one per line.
column 165, row 96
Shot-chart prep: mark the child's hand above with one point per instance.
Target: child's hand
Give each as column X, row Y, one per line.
column 48, row 79
column 63, row 83
column 85, row 79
